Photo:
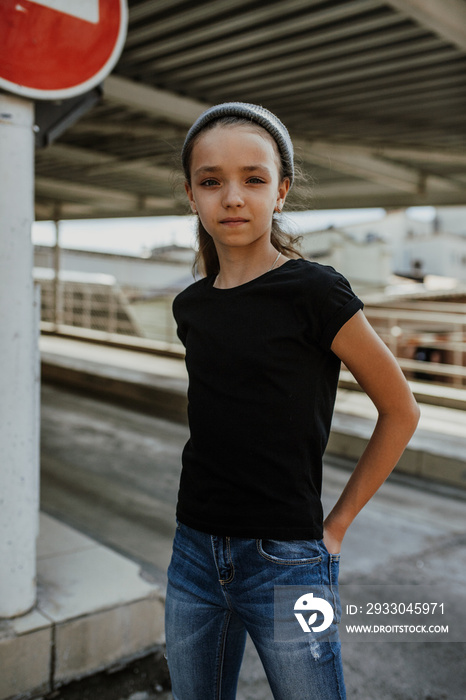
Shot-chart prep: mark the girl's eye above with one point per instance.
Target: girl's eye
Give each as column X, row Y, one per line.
column 256, row 181
column 209, row 183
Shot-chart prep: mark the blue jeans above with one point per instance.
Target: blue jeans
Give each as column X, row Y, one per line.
column 219, row 589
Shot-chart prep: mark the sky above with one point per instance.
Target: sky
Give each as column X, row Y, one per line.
column 139, row 235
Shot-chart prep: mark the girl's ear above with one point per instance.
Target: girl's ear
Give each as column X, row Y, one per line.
column 283, row 188
column 189, row 192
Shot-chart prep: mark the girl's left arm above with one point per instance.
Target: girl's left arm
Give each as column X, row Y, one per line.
column 379, row 375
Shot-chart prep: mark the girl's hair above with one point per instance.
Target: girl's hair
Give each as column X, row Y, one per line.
column 206, row 260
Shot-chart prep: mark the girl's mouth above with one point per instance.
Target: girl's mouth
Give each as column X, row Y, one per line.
column 232, row 221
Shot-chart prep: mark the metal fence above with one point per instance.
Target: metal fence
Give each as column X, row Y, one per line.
column 96, row 303
column 429, row 341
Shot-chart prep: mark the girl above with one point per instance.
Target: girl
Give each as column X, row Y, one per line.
column 264, row 331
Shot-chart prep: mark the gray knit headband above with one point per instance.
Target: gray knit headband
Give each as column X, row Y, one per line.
column 256, row 114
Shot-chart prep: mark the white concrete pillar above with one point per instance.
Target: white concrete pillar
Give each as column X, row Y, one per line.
column 19, row 375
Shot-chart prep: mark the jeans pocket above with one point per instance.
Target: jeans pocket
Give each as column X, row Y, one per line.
column 289, row 552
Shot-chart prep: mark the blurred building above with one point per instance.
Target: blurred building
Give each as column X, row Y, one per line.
column 366, row 263
column 163, row 268
column 371, row 251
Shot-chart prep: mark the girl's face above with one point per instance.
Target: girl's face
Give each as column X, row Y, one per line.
column 235, row 184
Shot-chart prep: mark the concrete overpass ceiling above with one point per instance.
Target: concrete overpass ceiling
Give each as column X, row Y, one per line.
column 373, row 93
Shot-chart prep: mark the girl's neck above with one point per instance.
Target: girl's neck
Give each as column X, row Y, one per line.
column 236, row 268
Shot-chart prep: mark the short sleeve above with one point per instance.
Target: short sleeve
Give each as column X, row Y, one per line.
column 177, row 314
column 339, row 305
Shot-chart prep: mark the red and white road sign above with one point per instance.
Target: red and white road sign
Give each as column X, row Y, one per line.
column 53, row 49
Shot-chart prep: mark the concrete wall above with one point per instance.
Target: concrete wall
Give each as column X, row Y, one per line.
column 129, row 271
column 367, row 263
column 438, row 254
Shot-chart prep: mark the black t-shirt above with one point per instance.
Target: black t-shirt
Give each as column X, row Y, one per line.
column 262, row 387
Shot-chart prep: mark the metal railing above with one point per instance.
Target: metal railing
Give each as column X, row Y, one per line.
column 439, row 338
column 96, row 303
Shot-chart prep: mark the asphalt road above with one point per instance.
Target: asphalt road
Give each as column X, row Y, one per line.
column 113, row 474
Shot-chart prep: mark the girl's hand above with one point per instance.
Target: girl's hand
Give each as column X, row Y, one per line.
column 332, row 543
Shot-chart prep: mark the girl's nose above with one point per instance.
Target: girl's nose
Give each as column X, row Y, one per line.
column 232, row 196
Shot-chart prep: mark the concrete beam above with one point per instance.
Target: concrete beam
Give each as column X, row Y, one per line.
column 96, row 163
column 106, row 198
column 374, row 165
column 408, row 154
column 446, row 18
column 359, row 162
column 363, row 73
column 330, row 36
column 159, row 103
column 420, row 155
column 237, row 35
column 94, row 127
column 433, row 188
